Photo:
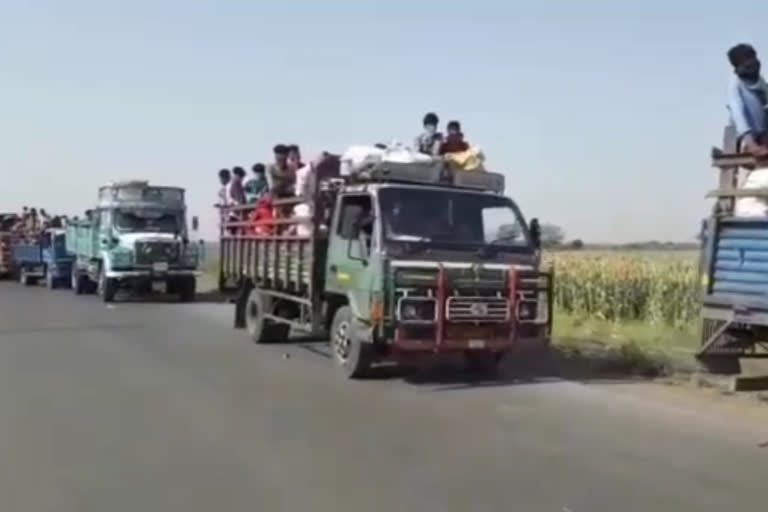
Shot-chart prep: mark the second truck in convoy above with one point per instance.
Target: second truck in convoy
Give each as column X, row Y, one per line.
column 136, row 238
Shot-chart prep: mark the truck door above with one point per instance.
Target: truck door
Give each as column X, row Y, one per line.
column 353, row 256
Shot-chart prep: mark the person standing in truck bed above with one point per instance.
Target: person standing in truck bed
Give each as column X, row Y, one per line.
column 280, row 177
column 747, row 102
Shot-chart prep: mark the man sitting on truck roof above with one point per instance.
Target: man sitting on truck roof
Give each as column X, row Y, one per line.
column 454, row 140
column 747, row 100
column 429, row 141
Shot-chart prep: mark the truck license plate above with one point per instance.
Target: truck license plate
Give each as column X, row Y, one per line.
column 160, row 267
column 476, row 344
column 159, row 286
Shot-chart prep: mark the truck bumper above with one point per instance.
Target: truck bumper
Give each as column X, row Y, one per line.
column 490, row 345
column 148, row 274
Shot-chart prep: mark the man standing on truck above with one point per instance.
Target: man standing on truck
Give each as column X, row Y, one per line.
column 256, row 186
column 747, row 101
column 279, row 176
column 224, row 179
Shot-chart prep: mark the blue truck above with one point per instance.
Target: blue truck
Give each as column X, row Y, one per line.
column 43, row 257
column 733, row 268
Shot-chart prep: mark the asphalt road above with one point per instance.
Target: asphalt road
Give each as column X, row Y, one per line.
column 144, row 407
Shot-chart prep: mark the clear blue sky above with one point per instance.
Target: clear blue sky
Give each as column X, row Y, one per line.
column 601, row 117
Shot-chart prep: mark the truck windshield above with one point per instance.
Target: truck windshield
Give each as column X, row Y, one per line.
column 160, row 221
column 451, row 218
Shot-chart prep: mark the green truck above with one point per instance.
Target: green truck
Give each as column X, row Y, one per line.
column 136, row 238
column 400, row 261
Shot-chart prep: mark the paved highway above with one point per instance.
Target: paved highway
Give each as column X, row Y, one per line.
column 144, row 407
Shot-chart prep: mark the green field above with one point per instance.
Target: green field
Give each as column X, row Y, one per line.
column 643, row 299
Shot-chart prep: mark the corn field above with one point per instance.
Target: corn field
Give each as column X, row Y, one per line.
column 657, row 288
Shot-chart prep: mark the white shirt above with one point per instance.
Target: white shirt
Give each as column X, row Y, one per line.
column 305, row 182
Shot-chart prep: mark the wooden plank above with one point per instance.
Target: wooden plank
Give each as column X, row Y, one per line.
column 750, row 383
column 731, row 160
column 738, row 192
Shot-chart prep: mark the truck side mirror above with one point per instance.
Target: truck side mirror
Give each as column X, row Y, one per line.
column 535, row 230
column 195, row 223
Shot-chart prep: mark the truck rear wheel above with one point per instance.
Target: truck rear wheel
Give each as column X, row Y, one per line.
column 352, row 355
column 261, row 329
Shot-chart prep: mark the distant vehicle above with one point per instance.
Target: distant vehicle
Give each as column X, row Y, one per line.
column 733, row 266
column 7, row 220
column 43, row 257
column 401, row 262
column 136, row 238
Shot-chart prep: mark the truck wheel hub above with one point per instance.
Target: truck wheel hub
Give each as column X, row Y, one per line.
column 341, row 341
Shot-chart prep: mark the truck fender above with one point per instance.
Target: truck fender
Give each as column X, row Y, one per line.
column 362, row 330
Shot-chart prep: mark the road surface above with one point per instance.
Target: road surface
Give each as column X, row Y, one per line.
column 144, row 407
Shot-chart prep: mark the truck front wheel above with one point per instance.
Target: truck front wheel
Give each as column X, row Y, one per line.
column 352, row 355
column 261, row 329
column 107, row 287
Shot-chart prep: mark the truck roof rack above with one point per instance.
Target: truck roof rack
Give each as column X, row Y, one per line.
column 430, row 173
column 126, row 183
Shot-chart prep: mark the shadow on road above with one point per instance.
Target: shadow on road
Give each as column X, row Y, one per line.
column 619, row 365
column 604, row 365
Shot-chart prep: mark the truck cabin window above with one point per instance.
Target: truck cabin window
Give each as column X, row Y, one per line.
column 452, row 219
column 158, row 221
column 355, row 211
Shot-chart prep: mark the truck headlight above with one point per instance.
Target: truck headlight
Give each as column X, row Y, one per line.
column 417, row 309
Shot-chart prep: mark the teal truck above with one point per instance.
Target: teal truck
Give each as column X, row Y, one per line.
column 136, row 238
column 394, row 263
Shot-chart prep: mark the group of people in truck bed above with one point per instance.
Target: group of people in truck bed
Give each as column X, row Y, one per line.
column 32, row 222
column 286, row 177
column 289, row 176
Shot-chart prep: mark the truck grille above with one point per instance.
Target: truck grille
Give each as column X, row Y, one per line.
column 477, row 309
column 155, row 252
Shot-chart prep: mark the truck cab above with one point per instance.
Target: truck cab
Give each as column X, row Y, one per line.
column 135, row 238
column 405, row 262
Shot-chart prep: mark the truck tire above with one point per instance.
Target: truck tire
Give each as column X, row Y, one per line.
column 260, row 329
column 187, row 288
column 353, row 356
column 77, row 282
column 50, row 282
column 106, row 287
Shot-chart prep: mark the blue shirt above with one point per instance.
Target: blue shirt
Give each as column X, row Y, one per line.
column 747, row 107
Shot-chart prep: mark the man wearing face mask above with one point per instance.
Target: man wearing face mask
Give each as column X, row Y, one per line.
column 747, row 100
column 430, row 140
